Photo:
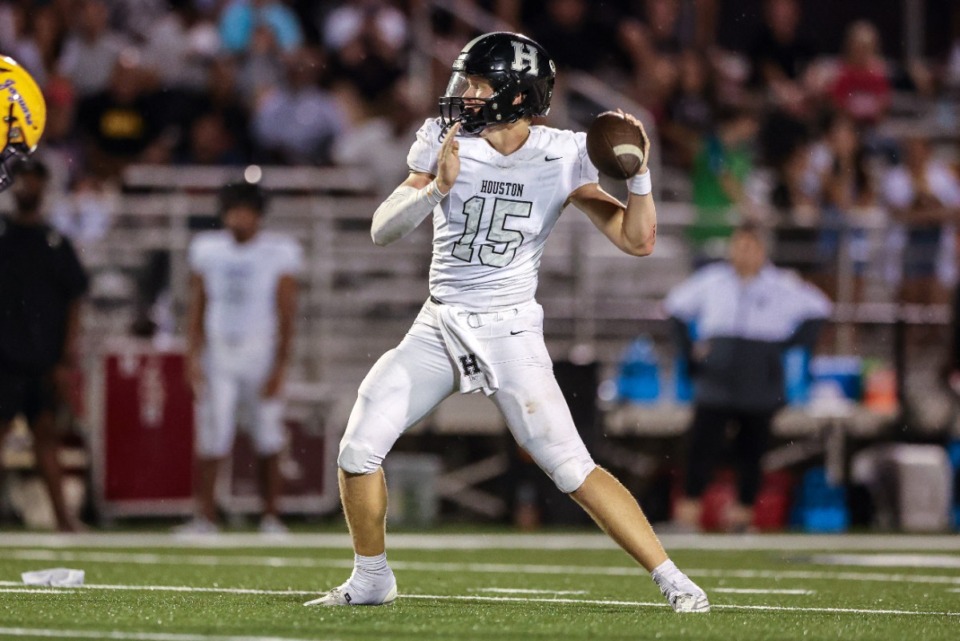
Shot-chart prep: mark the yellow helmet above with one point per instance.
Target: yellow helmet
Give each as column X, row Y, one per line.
column 23, row 115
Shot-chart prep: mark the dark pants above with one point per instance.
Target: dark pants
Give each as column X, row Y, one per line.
column 706, row 445
column 29, row 394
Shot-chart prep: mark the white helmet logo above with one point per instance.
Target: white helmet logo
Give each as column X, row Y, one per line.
column 524, row 59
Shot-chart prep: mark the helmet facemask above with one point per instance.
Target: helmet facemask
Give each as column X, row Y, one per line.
column 475, row 113
column 15, row 148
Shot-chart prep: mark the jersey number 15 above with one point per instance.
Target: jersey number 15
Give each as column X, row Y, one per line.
column 497, row 233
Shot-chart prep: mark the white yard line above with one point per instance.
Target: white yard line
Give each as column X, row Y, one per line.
column 825, row 575
column 523, row 591
column 537, row 541
column 36, row 590
column 772, row 608
column 178, row 588
column 943, row 561
column 506, row 599
column 130, row 636
column 482, row 568
column 761, row 591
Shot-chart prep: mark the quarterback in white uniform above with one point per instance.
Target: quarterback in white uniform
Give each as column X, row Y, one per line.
column 242, row 302
column 495, row 187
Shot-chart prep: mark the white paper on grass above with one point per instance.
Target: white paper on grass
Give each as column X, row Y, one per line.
column 55, row 577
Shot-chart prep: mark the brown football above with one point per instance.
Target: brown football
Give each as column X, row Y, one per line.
column 614, row 145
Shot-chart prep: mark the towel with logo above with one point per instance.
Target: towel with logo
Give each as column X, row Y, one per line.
column 476, row 372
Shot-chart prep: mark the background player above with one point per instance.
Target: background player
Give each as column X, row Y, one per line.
column 243, row 297
column 495, row 196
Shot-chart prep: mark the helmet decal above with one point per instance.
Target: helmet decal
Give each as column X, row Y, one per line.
column 525, row 58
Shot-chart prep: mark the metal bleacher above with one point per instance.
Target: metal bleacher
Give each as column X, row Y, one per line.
column 358, row 299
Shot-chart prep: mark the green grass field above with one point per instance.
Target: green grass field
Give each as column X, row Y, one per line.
column 489, row 587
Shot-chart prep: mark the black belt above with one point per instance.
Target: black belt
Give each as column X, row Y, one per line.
column 435, row 300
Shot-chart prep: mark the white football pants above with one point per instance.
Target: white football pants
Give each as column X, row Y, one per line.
column 407, row 382
column 235, row 373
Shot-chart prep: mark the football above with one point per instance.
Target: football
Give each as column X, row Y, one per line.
column 615, row 146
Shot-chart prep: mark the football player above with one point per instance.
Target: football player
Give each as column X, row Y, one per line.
column 243, row 293
column 495, row 185
column 23, row 114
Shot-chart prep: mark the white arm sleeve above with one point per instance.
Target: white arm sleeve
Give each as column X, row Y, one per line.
column 402, row 211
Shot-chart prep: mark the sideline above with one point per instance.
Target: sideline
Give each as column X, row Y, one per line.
column 481, row 568
column 491, row 541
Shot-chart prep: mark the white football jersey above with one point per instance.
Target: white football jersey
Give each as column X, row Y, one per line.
column 240, row 281
column 489, row 233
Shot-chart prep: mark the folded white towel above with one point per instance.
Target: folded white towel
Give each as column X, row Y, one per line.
column 476, row 372
column 55, row 577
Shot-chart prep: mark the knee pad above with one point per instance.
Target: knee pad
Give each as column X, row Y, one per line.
column 357, row 458
column 570, row 475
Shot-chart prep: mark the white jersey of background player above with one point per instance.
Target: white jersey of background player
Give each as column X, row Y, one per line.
column 495, row 186
column 242, row 302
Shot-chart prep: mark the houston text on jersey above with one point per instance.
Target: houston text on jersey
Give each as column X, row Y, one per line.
column 498, row 188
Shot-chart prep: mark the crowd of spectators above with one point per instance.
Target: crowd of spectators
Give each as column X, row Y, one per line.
column 214, row 82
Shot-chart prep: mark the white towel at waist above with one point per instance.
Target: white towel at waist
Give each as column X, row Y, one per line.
column 476, row 372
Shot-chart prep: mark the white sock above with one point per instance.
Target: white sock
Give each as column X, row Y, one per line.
column 371, row 564
column 370, row 572
column 665, row 569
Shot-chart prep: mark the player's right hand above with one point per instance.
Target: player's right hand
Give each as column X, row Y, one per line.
column 448, row 160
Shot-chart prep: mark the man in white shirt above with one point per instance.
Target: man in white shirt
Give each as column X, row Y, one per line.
column 243, row 297
column 494, row 194
column 745, row 313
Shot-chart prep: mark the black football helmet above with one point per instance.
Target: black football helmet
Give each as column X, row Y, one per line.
column 514, row 65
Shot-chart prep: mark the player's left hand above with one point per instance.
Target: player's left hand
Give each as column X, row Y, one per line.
column 274, row 383
column 633, row 120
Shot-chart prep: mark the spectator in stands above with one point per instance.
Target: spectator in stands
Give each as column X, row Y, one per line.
column 241, row 19
column 571, row 31
column 243, row 298
column 652, row 47
column 861, row 88
column 690, row 110
column 123, row 123
column 261, row 68
column 223, row 99
column 733, row 320
column 41, row 285
column 92, row 50
column 838, row 170
column 179, row 47
column 137, row 17
column 61, row 149
column 210, row 142
column 376, row 141
column 780, row 55
column 34, row 44
column 298, row 122
column 719, row 176
column 367, row 40
column 924, row 196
